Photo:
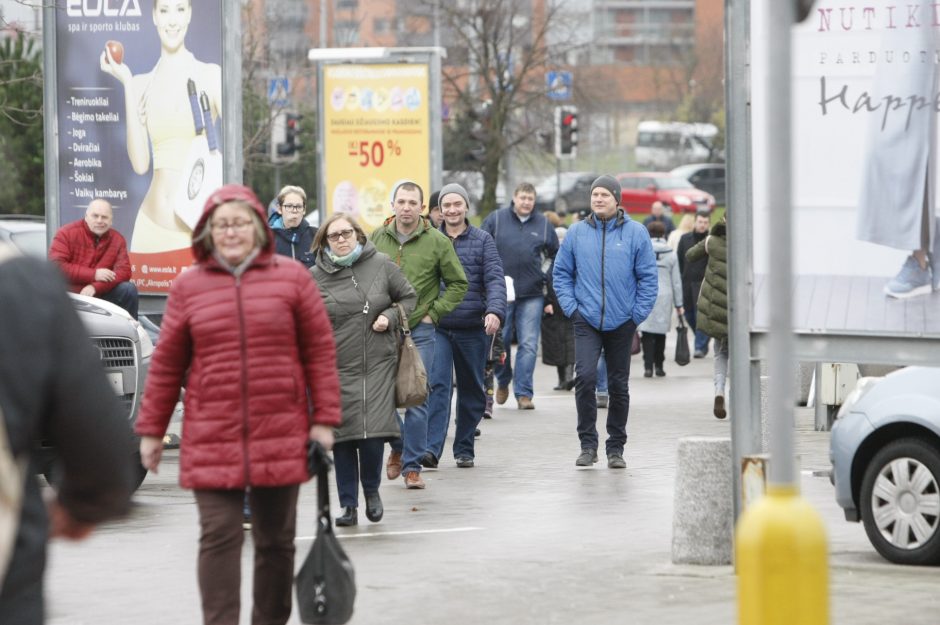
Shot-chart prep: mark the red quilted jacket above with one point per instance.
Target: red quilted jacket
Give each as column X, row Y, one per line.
column 75, row 252
column 261, row 364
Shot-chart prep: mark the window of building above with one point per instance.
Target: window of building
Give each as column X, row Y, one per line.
column 380, row 25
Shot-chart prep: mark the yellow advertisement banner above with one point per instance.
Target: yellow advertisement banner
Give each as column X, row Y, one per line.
column 376, row 133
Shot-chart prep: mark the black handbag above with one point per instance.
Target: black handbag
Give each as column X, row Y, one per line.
column 326, row 583
column 682, row 344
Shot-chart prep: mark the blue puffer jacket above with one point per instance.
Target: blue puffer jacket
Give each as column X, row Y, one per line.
column 486, row 292
column 606, row 271
column 293, row 242
column 521, row 247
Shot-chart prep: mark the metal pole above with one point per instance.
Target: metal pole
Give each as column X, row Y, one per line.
column 50, row 110
column 233, row 163
column 745, row 384
column 323, row 18
column 780, row 17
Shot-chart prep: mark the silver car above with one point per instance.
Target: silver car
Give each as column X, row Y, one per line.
column 124, row 345
column 885, row 453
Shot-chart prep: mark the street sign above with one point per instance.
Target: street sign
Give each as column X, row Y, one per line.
column 278, row 88
column 559, row 85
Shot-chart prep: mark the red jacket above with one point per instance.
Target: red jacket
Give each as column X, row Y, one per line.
column 79, row 252
column 261, row 364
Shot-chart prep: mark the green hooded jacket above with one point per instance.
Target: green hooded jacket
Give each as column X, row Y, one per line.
column 711, row 316
column 427, row 259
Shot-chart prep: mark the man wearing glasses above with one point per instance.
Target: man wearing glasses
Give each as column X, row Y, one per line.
column 427, row 258
column 293, row 235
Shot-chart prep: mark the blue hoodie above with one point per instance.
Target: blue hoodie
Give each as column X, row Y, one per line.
column 606, row 271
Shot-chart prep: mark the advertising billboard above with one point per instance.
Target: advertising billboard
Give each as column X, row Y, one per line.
column 864, row 103
column 376, row 132
column 139, row 105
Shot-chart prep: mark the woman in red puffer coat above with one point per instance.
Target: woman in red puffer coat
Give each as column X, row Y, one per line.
column 248, row 330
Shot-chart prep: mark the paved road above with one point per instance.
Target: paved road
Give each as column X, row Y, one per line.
column 524, row 537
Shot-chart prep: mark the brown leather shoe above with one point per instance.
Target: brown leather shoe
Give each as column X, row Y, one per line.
column 502, row 394
column 413, row 480
column 525, row 403
column 393, row 466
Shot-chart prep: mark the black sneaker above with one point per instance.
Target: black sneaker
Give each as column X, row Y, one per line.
column 660, row 373
column 647, row 373
column 428, row 461
column 587, row 458
column 465, row 463
column 616, row 461
column 477, row 433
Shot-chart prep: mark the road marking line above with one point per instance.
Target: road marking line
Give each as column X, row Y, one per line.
column 403, row 533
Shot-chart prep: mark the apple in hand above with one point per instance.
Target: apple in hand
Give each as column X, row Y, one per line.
column 116, row 50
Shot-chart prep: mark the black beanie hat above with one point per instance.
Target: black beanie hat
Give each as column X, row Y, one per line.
column 434, row 201
column 610, row 183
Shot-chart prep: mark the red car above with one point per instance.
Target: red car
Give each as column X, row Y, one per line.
column 640, row 189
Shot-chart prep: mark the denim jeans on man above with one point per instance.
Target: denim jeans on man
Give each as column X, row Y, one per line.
column 358, row 461
column 616, row 344
column 526, row 315
column 602, row 375
column 123, row 295
column 414, row 431
column 690, row 291
column 460, row 350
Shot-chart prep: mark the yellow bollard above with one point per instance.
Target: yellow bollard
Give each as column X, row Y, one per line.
column 782, row 562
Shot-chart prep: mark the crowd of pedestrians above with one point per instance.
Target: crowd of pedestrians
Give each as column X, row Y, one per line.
column 274, row 354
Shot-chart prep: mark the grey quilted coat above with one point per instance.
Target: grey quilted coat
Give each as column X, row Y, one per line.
column 367, row 360
column 669, row 296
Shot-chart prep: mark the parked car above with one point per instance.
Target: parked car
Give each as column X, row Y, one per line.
column 124, row 345
column 709, row 177
column 639, row 190
column 575, row 193
column 885, row 453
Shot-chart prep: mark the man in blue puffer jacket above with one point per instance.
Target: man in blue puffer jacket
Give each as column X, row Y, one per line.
column 606, row 281
column 464, row 334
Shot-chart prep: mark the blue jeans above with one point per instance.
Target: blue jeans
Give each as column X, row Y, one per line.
column 414, row 431
column 690, row 292
column 356, row 460
column 526, row 314
column 602, row 375
column 616, row 344
column 123, row 295
column 462, row 351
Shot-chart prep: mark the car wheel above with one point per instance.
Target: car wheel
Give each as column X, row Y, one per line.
column 900, row 502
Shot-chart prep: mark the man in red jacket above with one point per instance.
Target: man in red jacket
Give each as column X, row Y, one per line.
column 94, row 259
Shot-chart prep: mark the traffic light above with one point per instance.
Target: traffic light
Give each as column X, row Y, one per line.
column 292, row 142
column 566, row 131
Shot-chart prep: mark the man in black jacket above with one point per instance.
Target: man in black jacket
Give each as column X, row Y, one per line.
column 692, row 275
column 59, row 394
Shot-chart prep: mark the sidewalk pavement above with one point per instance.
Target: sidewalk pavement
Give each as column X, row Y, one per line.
column 524, row 537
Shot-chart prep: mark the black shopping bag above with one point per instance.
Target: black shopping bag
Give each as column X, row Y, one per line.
column 326, row 583
column 682, row 344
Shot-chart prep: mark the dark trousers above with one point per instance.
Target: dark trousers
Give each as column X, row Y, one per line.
column 123, row 295
column 690, row 292
column 273, row 523
column 654, row 350
column 356, row 460
column 588, row 343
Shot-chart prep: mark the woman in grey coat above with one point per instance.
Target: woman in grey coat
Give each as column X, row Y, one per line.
column 360, row 286
column 656, row 326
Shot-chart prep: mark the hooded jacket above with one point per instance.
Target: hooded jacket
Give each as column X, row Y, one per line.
column 367, row 360
column 523, row 247
column 297, row 242
column 669, row 296
column 606, row 272
column 711, row 315
column 427, row 259
column 258, row 353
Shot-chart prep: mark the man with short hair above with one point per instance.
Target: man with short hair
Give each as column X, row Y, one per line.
column 606, row 281
column 693, row 273
column 434, row 210
column 658, row 214
column 427, row 259
column 526, row 242
column 93, row 257
column 293, row 234
column 464, row 335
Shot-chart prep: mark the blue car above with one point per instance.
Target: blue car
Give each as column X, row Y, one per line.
column 885, row 453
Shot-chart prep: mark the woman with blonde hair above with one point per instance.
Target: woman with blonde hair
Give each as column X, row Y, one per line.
column 685, row 225
column 360, row 287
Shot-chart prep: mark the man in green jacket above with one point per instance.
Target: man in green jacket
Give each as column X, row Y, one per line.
column 427, row 258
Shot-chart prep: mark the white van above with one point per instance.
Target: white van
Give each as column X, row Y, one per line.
column 665, row 145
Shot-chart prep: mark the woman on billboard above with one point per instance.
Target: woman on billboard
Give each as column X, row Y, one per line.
column 175, row 108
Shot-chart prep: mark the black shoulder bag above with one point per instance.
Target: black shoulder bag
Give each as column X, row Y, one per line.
column 326, row 583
